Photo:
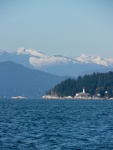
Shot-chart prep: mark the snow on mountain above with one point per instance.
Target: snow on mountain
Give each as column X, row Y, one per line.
column 31, row 52
column 44, row 61
column 110, row 60
column 83, row 58
column 38, row 59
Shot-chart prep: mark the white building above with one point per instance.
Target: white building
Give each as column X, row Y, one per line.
column 82, row 94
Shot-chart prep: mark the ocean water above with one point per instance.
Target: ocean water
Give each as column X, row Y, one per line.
column 56, row 125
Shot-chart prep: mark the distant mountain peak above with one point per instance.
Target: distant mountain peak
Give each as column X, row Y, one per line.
column 56, row 64
column 85, row 57
column 31, row 52
column 93, row 59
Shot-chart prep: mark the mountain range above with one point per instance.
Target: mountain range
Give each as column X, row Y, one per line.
column 17, row 80
column 58, row 64
column 30, row 73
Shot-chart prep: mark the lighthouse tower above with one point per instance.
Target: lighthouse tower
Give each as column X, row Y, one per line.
column 83, row 90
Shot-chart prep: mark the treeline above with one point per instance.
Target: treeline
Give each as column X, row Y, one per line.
column 95, row 84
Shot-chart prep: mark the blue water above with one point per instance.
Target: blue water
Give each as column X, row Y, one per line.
column 56, row 125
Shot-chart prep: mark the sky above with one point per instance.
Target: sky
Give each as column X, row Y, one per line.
column 58, row 27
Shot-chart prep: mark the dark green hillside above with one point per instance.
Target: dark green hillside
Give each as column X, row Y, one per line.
column 97, row 83
column 17, row 80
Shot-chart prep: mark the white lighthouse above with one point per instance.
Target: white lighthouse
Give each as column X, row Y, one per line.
column 83, row 90
column 82, row 95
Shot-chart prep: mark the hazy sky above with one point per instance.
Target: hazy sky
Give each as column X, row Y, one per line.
column 67, row 27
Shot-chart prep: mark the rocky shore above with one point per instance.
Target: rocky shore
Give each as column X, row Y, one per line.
column 77, row 97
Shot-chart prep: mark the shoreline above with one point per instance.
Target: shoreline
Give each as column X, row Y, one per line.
column 76, row 98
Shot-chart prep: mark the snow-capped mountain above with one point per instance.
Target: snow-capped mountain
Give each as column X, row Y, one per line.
column 95, row 59
column 57, row 64
column 30, row 52
column 39, row 59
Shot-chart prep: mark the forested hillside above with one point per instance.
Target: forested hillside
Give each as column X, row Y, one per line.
column 97, row 83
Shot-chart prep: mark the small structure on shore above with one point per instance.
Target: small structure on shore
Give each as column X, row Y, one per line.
column 79, row 96
column 82, row 94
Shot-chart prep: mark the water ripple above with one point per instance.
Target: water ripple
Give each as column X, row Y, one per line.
column 56, row 125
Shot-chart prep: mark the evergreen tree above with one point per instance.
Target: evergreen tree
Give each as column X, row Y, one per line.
column 97, row 83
